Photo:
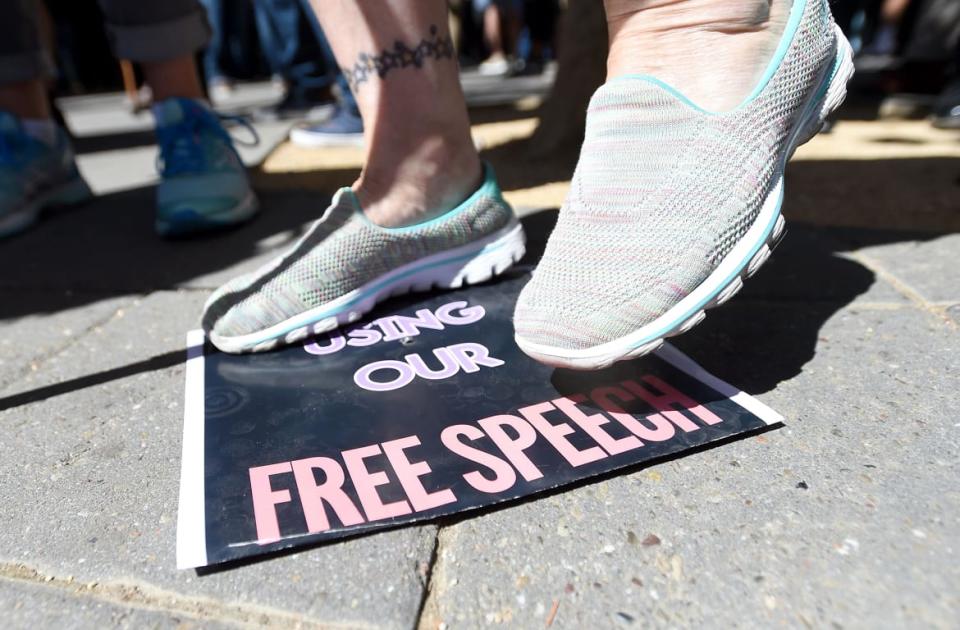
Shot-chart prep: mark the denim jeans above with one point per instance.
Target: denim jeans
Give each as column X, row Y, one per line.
column 297, row 49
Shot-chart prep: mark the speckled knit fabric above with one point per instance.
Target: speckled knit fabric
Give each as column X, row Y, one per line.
column 662, row 192
column 343, row 251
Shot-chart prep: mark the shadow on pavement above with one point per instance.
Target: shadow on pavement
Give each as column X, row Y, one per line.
column 763, row 337
column 108, row 246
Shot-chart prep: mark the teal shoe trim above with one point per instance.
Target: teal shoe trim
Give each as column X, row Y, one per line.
column 488, row 188
column 789, row 32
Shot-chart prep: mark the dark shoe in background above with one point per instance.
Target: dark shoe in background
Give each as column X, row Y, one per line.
column 946, row 109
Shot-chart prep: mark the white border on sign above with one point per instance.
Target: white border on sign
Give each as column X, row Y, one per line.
column 191, row 515
column 685, row 364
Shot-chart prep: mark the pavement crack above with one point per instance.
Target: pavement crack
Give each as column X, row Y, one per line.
column 133, row 595
column 430, row 616
column 427, row 580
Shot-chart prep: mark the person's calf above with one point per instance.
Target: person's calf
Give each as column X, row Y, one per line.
column 402, row 68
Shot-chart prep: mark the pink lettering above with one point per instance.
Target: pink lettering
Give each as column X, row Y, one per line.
column 662, row 429
column 448, row 363
column 513, row 447
column 504, row 475
column 389, row 327
column 592, row 425
column 410, row 326
column 364, row 376
column 312, row 495
column 409, row 474
column 366, row 482
column 364, row 336
column 336, row 344
column 468, row 314
column 555, row 434
column 668, row 398
column 472, row 355
column 265, row 500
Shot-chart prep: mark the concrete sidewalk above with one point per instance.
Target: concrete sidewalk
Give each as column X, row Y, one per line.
column 848, row 516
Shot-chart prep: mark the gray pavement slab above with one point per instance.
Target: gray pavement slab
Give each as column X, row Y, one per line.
column 27, row 605
column 91, row 475
column 108, row 114
column 928, row 266
column 38, row 324
column 109, row 245
column 846, row 517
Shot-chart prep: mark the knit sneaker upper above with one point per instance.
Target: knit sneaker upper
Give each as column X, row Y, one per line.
column 342, row 252
column 29, row 167
column 201, row 173
column 662, row 192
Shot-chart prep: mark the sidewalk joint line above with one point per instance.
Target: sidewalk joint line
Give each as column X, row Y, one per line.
column 903, row 288
column 428, row 577
column 142, row 596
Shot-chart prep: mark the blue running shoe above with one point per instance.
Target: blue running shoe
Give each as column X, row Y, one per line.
column 343, row 129
column 34, row 175
column 203, row 184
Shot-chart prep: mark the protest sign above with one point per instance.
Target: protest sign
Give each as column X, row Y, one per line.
column 425, row 408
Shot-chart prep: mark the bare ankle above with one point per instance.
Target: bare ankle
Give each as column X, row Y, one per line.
column 428, row 180
column 708, row 49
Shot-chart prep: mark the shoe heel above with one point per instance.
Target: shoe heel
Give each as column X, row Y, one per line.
column 836, row 91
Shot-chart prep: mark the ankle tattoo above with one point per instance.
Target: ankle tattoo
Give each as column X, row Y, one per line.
column 436, row 46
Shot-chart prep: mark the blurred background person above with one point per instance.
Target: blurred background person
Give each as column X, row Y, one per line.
column 501, row 34
column 344, row 126
column 203, row 183
column 907, row 55
column 285, row 39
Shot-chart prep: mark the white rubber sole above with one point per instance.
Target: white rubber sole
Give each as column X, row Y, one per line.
column 469, row 264
column 742, row 262
column 245, row 210
column 74, row 191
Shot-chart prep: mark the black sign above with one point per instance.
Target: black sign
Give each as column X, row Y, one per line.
column 425, row 408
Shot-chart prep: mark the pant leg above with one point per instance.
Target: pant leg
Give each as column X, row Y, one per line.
column 347, row 100
column 211, row 56
column 278, row 27
column 935, row 32
column 288, row 36
column 155, row 30
column 23, row 56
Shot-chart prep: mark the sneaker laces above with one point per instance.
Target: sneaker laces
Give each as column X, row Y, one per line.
column 181, row 146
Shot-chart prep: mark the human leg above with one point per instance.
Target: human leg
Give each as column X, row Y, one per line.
column 420, row 157
column 203, row 184
column 672, row 205
column 287, row 38
column 37, row 167
column 493, row 30
column 423, row 213
column 219, row 86
column 345, row 125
